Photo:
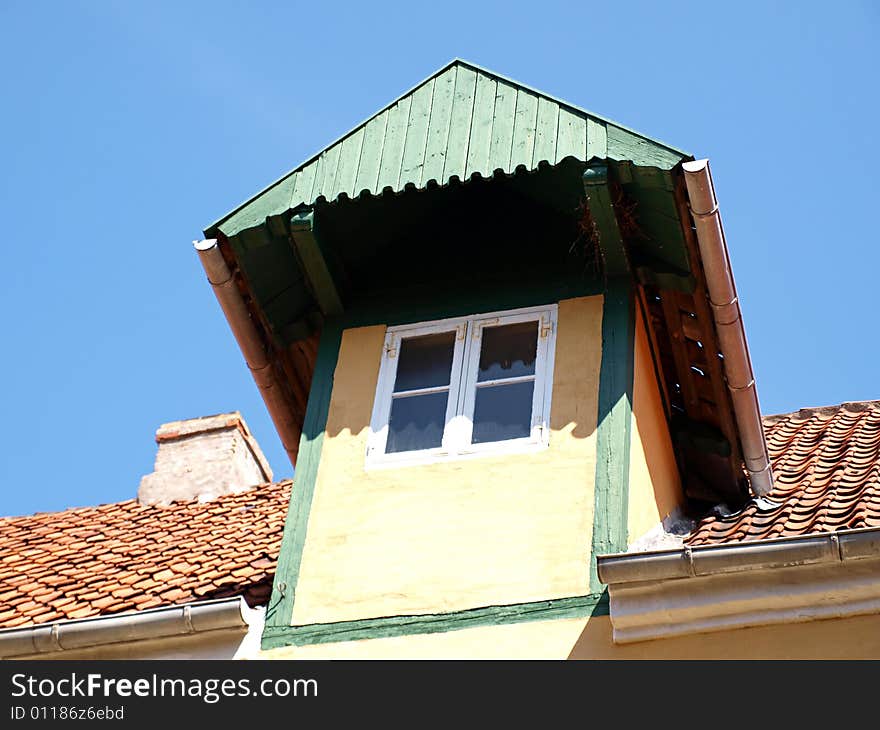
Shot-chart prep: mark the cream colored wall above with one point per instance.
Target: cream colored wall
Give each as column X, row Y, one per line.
column 654, row 483
column 853, row 638
column 455, row 535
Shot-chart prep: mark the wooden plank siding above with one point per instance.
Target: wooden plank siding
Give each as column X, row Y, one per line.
column 462, row 121
column 501, row 143
column 415, row 146
column 438, row 128
column 458, row 140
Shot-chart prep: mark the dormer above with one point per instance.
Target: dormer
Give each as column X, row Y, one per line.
column 499, row 337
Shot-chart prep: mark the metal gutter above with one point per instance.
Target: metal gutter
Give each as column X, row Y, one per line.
column 704, row 560
column 673, row 593
column 728, row 323
column 156, row 623
column 250, row 343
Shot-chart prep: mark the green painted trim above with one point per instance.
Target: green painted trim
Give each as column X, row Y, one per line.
column 601, row 207
column 280, row 609
column 314, row 263
column 398, row 308
column 620, row 142
column 613, row 433
column 386, row 626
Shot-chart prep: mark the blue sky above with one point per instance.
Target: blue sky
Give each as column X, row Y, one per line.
column 128, row 127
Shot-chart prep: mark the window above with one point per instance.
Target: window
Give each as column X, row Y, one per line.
column 464, row 386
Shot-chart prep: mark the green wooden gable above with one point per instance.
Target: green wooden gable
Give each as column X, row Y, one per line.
column 463, row 161
column 461, row 122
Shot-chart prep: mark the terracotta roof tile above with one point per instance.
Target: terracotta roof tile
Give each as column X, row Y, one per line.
column 126, row 556
column 826, row 467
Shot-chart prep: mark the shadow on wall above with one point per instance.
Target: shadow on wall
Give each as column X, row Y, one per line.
column 852, row 638
column 575, row 379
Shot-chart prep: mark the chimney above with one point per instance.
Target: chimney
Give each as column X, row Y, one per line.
column 202, row 459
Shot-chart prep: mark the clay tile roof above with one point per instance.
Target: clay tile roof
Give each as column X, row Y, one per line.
column 127, row 556
column 826, row 468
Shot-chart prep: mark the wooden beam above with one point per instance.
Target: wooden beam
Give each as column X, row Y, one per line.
column 654, row 347
column 614, row 424
column 280, row 609
column 672, row 314
column 601, row 210
column 314, row 262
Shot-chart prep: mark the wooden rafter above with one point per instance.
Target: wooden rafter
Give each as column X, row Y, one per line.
column 683, row 329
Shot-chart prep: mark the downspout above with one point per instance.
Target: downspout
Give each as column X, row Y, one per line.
column 728, row 323
column 239, row 319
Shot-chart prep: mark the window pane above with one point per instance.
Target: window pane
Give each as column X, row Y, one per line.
column 508, row 351
column 424, row 361
column 503, row 412
column 416, row 422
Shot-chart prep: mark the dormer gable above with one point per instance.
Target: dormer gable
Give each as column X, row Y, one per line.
column 483, row 324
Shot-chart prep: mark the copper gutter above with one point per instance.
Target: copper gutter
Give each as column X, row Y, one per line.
column 728, row 323
column 250, row 343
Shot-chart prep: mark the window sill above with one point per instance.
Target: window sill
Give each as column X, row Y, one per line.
column 439, row 456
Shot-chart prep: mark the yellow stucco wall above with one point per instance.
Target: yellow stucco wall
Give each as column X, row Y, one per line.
column 654, row 483
column 460, row 534
column 851, row 638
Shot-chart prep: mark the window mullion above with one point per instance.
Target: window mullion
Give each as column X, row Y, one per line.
column 469, row 382
column 382, row 408
column 450, row 432
column 540, row 410
column 457, row 426
column 506, row 381
column 421, row 391
column 465, row 359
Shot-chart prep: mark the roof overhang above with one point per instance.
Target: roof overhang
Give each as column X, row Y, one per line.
column 461, row 121
column 462, row 128
column 470, row 159
column 663, row 594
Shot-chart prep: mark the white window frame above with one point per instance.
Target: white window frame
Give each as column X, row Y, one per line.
column 458, row 427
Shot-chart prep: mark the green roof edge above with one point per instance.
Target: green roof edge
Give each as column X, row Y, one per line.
column 455, row 61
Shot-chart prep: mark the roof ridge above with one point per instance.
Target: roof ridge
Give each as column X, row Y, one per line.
column 135, row 557
column 557, row 99
column 176, row 503
column 67, row 510
column 852, row 406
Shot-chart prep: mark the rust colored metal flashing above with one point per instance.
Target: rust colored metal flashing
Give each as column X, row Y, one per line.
column 728, row 323
column 255, row 353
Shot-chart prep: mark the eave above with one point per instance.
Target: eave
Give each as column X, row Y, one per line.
column 663, row 594
column 408, row 143
column 291, row 249
column 642, row 216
